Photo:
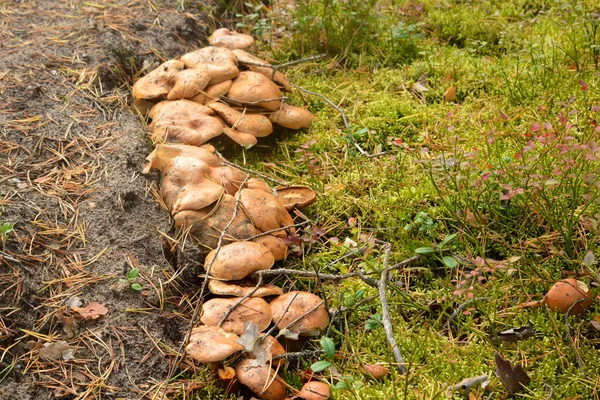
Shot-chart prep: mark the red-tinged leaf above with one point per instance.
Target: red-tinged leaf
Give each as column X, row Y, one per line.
column 514, row 378
column 91, row 311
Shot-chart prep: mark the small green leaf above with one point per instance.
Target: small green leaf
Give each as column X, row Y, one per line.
column 448, row 239
column 320, row 366
column 133, row 273
column 341, row 385
column 123, row 280
column 329, row 347
column 450, row 262
column 425, row 250
column 136, row 286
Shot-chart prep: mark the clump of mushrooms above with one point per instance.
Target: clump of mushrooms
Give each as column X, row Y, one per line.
column 214, row 92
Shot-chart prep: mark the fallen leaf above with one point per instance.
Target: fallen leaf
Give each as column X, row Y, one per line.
column 68, row 324
column 516, row 334
column 56, row 351
column 467, row 384
column 531, row 304
column 91, row 311
column 449, row 94
column 514, row 378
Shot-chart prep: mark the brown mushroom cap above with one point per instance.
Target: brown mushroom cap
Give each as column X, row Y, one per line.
column 205, row 226
column 249, row 61
column 210, row 344
column 242, row 138
column 292, row 117
column 256, row 377
column 252, row 88
column 229, row 177
column 242, row 288
column 375, row 371
column 255, row 124
column 230, row 39
column 183, row 121
column 188, row 83
column 314, row 391
column 301, row 303
column 196, row 196
column 564, row 293
column 157, row 84
column 252, row 309
column 273, row 347
column 296, row 196
column 265, row 211
column 220, row 63
column 275, row 244
column 237, row 260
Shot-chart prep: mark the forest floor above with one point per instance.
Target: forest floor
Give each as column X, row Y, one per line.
column 469, row 136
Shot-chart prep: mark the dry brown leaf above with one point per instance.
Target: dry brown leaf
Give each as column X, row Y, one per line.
column 91, row 311
column 531, row 304
column 450, row 94
column 56, row 351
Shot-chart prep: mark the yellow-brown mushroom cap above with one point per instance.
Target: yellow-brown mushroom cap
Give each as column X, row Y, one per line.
column 253, row 309
column 292, row 305
column 292, row 117
column 210, row 344
column 230, row 39
column 237, row 260
column 256, row 377
column 251, row 88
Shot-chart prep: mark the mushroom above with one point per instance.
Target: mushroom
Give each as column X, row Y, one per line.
column 237, row 260
column 229, row 177
column 230, row 39
column 314, row 391
column 265, row 211
column 252, row 309
column 183, row 121
column 252, row 88
column 242, row 288
column 157, row 84
column 242, row 138
column 374, row 371
column 275, row 244
column 296, row 196
column 249, row 61
column 220, row 63
column 292, row 117
column 205, row 226
column 565, row 293
column 255, row 124
column 261, row 379
column 288, row 307
column 211, row 343
column 188, row 83
column 213, row 92
column 274, row 348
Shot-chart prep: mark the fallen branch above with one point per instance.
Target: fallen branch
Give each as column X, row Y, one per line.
column 385, row 311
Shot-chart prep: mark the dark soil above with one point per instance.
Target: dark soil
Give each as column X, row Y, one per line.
column 70, row 183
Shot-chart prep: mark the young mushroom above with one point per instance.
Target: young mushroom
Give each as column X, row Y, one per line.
column 292, row 314
column 565, row 293
column 314, row 391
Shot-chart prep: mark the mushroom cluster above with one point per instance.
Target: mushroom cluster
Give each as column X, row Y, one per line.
column 217, row 90
column 239, row 220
